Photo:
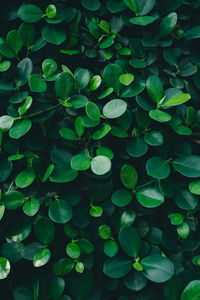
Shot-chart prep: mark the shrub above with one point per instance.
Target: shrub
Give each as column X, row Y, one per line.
column 100, row 165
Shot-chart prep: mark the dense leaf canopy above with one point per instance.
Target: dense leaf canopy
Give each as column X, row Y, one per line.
column 99, row 140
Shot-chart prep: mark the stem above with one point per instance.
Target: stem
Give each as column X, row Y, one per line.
column 39, row 112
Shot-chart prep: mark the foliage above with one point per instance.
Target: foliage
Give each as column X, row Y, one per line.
column 99, row 139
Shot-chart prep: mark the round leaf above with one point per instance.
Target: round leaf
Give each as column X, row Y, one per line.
column 41, row 258
column 60, row 211
column 100, row 165
column 157, row 167
column 150, row 197
column 117, row 267
column 29, row 13
column 157, row 268
column 114, row 108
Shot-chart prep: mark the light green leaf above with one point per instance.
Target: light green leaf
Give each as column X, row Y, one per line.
column 114, row 108
column 100, row 165
column 5, row 123
column 4, row 268
column 177, row 100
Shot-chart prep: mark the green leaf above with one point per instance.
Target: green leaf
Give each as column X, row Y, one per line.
column 73, row 250
column 80, row 162
column 63, row 174
column 29, row 13
column 155, row 88
column 63, row 266
column 5, row 169
column 194, row 187
column 4, row 268
column 128, row 176
column 100, row 165
column 20, row 128
column 27, row 34
column 5, row 65
column 192, row 33
column 23, row 71
column 2, row 211
column 100, row 133
column 41, row 258
column 82, row 77
column 92, row 111
column 150, row 197
column 183, row 230
column 95, row 82
column 79, row 267
column 25, row 178
column 104, row 232
column 37, row 83
column 48, row 172
column 96, row 211
column 154, row 138
column 135, row 281
column 143, row 21
column 44, row 230
column 127, row 217
column 31, row 207
column 51, row 11
column 68, row 134
column 105, row 152
column 60, row 211
column 137, row 147
column 129, row 240
column 167, row 24
column 13, row 199
column 159, row 116
column 64, row 85
column 25, row 106
column 110, row 248
column 157, row 268
column 126, row 79
column 191, row 291
column 13, row 41
column 49, row 66
column 111, row 75
column 86, row 246
column 185, row 200
column 91, row 4
column 106, row 42
column 121, row 197
column 176, row 219
column 5, row 123
column 145, row 6
column 22, row 293
column 131, row 4
column 114, row 108
column 53, row 35
column 157, row 167
column 188, row 165
column 177, row 100
column 117, row 267
column 12, row 251
column 56, row 287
